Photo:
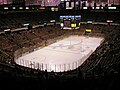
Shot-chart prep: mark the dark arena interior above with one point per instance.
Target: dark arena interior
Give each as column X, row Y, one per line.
column 26, row 27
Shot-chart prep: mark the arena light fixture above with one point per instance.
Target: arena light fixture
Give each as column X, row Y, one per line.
column 52, row 20
column 85, row 7
column 5, row 8
column 109, row 21
column 20, row 7
column 90, row 22
column 27, row 8
column 111, row 7
column 72, row 25
column 101, row 7
column 97, row 7
column 88, row 30
column 13, row 7
column 61, row 24
column 52, row 9
column 69, row 7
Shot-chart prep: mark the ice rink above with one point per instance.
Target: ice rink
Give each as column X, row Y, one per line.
column 63, row 55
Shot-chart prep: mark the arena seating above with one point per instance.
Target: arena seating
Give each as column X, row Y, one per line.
column 99, row 72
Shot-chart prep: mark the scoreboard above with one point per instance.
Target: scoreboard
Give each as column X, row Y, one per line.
column 70, row 21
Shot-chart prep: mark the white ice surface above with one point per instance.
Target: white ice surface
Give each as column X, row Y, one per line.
column 63, row 55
